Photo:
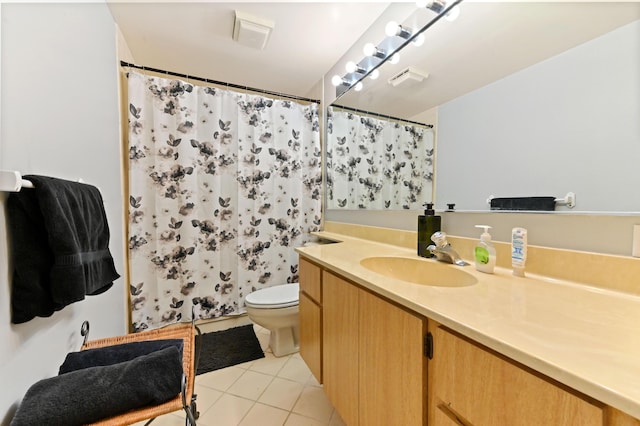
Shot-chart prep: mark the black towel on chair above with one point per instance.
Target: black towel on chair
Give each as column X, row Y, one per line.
column 115, row 354
column 96, row 393
column 60, row 246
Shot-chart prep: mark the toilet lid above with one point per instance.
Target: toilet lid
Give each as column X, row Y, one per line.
column 278, row 296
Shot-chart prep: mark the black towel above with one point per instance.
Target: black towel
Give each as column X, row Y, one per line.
column 115, row 354
column 524, row 203
column 60, row 246
column 96, row 393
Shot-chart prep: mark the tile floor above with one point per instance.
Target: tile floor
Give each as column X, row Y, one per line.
column 267, row 392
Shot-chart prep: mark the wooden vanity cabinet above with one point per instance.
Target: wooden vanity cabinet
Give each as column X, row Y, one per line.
column 310, row 311
column 369, row 353
column 374, row 365
column 472, row 385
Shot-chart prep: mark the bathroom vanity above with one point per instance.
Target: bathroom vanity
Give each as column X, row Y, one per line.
column 494, row 350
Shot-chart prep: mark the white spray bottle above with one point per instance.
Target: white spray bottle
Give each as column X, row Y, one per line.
column 518, row 250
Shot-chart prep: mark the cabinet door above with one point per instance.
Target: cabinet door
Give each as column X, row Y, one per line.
column 311, row 335
column 486, row 389
column 618, row 418
column 310, row 280
column 392, row 369
column 340, row 345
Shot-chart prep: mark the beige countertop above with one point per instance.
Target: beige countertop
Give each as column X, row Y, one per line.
column 585, row 337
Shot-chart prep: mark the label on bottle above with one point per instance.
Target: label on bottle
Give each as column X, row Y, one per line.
column 482, row 255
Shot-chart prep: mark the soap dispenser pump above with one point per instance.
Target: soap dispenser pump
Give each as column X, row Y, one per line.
column 485, row 252
column 428, row 224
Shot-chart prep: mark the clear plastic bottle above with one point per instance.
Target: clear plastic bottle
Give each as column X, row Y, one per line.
column 485, row 253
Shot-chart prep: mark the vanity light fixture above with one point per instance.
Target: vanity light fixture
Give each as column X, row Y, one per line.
column 370, row 49
column 352, row 67
column 336, row 80
column 397, row 38
column 394, row 29
column 436, row 6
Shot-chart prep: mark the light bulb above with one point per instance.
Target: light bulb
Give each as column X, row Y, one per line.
column 421, row 3
column 336, row 80
column 374, row 74
column 395, row 58
column 351, row 66
column 436, row 6
column 358, row 86
column 369, row 49
column 392, row 28
column 419, row 40
column 453, row 14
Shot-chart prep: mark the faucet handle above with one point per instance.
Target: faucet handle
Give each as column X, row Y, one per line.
column 439, row 239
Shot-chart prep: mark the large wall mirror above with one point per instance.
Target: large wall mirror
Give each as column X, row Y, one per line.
column 526, row 99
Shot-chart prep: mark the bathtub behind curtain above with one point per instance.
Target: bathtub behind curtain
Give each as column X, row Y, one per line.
column 222, row 186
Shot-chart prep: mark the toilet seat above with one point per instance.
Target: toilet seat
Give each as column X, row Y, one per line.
column 279, row 296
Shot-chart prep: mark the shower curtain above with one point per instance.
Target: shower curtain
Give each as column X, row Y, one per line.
column 222, row 186
column 374, row 163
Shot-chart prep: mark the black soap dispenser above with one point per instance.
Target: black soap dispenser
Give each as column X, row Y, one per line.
column 428, row 224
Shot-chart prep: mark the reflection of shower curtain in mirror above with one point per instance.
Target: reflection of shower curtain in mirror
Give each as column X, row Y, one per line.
column 374, row 163
column 222, row 187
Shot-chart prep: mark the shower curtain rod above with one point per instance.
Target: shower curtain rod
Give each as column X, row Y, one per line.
column 221, row 83
column 375, row 114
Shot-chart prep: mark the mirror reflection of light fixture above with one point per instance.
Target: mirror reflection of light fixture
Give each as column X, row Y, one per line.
column 395, row 58
column 418, row 40
column 358, row 86
column 453, row 14
column 374, row 74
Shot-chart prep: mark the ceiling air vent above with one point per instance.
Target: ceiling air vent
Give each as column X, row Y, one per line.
column 251, row 30
column 409, row 73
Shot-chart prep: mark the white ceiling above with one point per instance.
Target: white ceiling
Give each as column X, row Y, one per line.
column 314, row 39
column 195, row 38
column 488, row 41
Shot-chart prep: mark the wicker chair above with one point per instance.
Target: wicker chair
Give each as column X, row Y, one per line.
column 186, row 400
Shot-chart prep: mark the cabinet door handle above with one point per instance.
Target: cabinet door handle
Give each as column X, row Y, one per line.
column 453, row 415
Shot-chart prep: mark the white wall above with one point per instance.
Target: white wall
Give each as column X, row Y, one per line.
column 59, row 117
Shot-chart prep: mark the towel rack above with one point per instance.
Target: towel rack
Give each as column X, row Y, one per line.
column 569, row 200
column 11, row 181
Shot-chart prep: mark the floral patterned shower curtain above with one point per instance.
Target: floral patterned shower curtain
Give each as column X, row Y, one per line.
column 222, row 186
column 374, row 163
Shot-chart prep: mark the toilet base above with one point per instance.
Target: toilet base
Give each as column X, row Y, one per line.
column 284, row 341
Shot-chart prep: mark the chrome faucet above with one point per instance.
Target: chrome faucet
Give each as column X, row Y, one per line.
column 443, row 251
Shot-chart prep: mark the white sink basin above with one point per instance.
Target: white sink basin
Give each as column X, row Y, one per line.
column 419, row 271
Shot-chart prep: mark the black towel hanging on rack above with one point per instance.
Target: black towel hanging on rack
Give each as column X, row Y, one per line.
column 524, row 203
column 60, row 246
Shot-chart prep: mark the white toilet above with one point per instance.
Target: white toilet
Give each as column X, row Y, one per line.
column 276, row 309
